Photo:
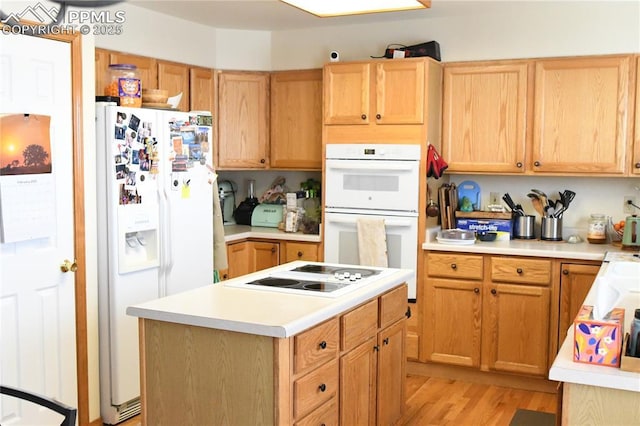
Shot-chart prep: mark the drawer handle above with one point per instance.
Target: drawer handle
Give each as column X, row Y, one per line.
column 376, row 348
column 519, row 271
column 637, row 165
column 378, row 116
column 454, row 266
column 476, row 290
column 494, row 291
column 565, row 272
column 363, row 116
column 322, row 387
column 519, row 165
column 323, row 345
column 536, row 163
column 273, row 249
column 300, row 254
column 262, row 161
column 408, row 313
column 385, row 341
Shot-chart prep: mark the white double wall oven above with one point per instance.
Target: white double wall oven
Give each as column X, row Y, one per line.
column 378, row 181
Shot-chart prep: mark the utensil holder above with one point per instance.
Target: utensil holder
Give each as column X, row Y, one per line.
column 524, row 227
column 551, row 229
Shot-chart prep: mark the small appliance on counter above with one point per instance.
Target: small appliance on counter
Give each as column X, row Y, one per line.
column 244, row 211
column 631, row 234
column 227, row 195
column 267, row 215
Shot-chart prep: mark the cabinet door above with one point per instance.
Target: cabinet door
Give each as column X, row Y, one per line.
column 346, row 93
column 357, row 385
column 102, row 67
column 147, row 67
column 582, row 120
column 175, row 79
column 400, row 92
column 238, row 259
column 263, row 255
column 484, row 117
column 575, row 282
column 296, row 120
column 300, row 251
column 243, row 112
column 201, row 89
column 635, row 164
column 391, row 373
column 516, row 328
column 454, row 318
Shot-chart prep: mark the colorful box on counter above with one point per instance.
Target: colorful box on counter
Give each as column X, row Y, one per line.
column 504, row 227
column 598, row 341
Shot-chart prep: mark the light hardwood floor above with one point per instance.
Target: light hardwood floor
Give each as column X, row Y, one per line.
column 434, row 401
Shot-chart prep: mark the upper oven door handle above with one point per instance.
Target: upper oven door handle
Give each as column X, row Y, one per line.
column 371, row 165
column 395, row 223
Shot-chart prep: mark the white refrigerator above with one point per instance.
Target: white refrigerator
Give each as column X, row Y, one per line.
column 155, row 188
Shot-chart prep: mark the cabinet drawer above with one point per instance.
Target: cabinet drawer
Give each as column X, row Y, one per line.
column 326, row 414
column 316, row 345
column 359, row 325
column 454, row 266
column 518, row 270
column 300, row 251
column 315, row 389
column 393, row 306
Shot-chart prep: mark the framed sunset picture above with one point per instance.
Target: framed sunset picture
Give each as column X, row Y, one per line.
column 25, row 144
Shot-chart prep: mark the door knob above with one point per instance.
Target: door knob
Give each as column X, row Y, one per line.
column 67, row 266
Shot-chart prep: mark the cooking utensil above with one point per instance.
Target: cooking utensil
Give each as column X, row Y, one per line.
column 514, row 208
column 537, row 203
column 543, row 198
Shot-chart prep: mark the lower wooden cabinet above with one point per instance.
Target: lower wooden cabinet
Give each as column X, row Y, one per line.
column 576, row 280
column 489, row 312
column 250, row 256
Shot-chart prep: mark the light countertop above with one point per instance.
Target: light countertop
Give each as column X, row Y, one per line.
column 565, row 370
column 261, row 312
column 537, row 248
column 242, row 232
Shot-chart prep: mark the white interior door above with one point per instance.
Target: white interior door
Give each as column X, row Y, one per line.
column 37, row 308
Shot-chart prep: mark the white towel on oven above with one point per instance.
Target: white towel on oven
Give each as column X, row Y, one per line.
column 372, row 242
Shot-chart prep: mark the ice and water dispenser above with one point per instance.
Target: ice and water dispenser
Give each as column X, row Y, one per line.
column 138, row 243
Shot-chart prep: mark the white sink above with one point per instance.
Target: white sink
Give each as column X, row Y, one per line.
column 625, row 269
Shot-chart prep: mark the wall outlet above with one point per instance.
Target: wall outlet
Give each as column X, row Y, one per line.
column 494, row 199
column 628, row 208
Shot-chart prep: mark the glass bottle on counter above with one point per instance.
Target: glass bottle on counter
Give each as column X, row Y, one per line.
column 597, row 233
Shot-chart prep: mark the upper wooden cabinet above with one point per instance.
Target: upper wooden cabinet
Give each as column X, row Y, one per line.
column 201, row 89
column 175, row 79
column 296, row 119
column 147, row 67
column 635, row 158
column 243, row 119
column 389, row 92
column 582, row 115
column 485, row 116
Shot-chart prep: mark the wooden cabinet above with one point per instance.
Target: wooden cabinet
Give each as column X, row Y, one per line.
column 485, row 116
column 243, row 120
column 634, row 167
column 576, row 280
column 488, row 312
column 296, row 120
column 381, row 92
column 582, row 115
column 295, row 250
column 101, row 65
column 372, row 374
column 251, row 256
column 147, row 67
column 307, row 379
column 174, row 78
column 201, row 89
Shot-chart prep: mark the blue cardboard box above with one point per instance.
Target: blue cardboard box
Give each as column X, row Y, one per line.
column 504, row 227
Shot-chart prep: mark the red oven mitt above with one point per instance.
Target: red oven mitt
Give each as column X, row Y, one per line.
column 435, row 163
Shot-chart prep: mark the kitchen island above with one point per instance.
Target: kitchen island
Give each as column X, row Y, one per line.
column 594, row 394
column 235, row 354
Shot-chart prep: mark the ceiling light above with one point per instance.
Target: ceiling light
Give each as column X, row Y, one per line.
column 328, row 8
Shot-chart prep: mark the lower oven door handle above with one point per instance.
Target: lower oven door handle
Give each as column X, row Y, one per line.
column 395, row 223
column 370, row 165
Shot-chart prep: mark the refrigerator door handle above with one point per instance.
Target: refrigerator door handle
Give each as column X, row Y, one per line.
column 167, row 225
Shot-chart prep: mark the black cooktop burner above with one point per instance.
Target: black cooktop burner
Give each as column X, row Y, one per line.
column 276, row 282
column 315, row 269
column 320, row 287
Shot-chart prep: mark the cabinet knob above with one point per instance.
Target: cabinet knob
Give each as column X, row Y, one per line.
column 262, row 161
column 322, row 387
column 323, row 345
column 637, row 165
column 376, row 348
column 408, row 313
column 363, row 116
column 519, row 271
column 565, row 272
column 300, row 254
column 476, row 290
column 273, row 249
column 494, row 291
column 378, row 116
column 454, row 266
column 536, row 163
column 385, row 341
column 225, row 276
column 519, row 165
